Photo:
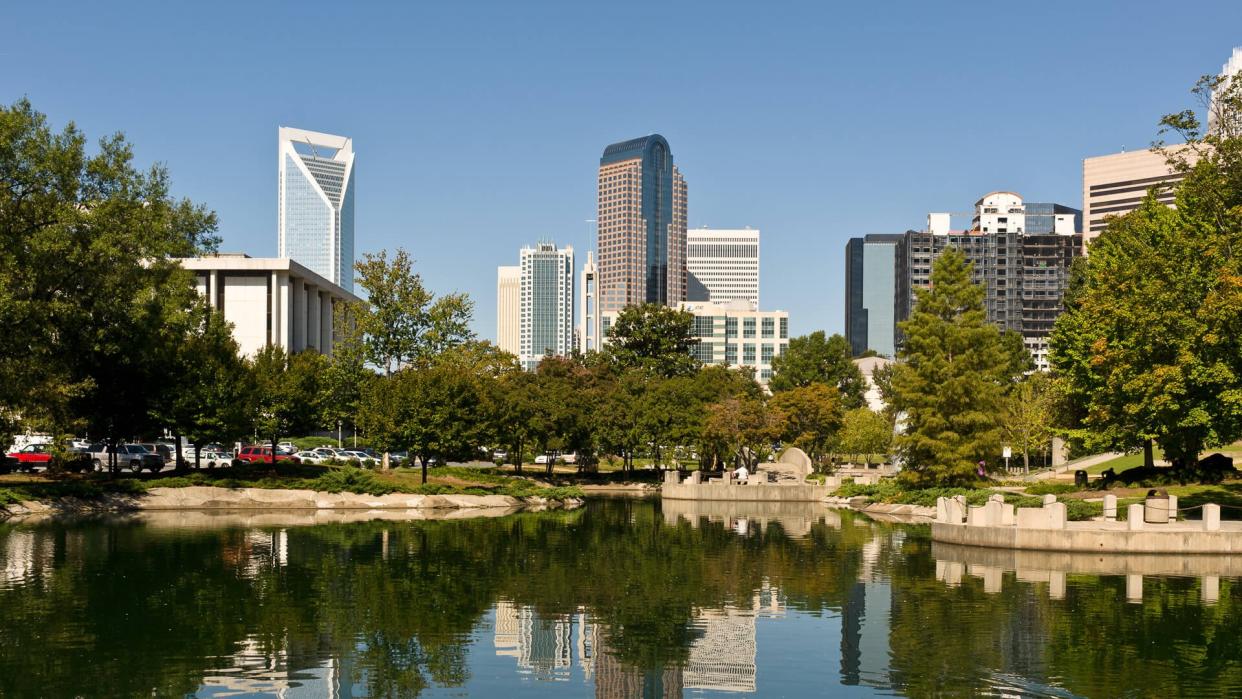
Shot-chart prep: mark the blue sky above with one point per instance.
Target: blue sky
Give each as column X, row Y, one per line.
column 478, row 126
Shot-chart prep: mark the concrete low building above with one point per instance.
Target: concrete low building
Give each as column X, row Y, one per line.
column 270, row 300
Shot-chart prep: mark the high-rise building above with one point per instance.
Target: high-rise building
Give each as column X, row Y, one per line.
column 1231, row 68
column 546, row 318
column 509, row 309
column 641, row 240
column 722, row 265
column 315, row 222
column 1020, row 253
column 589, row 338
column 1115, row 185
column 876, row 296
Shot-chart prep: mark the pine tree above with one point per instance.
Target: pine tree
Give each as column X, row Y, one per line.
column 952, row 379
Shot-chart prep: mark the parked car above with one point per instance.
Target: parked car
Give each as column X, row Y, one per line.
column 31, row 455
column 325, row 453
column 359, row 455
column 287, row 447
column 262, row 455
column 310, row 457
column 134, row 457
column 163, row 450
column 541, row 459
column 216, row 458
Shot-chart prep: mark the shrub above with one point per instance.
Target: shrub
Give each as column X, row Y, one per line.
column 1049, row 488
column 351, row 481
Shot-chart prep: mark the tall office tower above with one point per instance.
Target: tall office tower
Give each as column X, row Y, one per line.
column 547, row 303
column 1020, row 253
column 722, row 265
column 876, row 297
column 589, row 338
column 509, row 309
column 1231, row 68
column 641, row 225
column 316, row 210
column 1114, row 185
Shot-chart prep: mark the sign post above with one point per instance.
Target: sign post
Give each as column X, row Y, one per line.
column 1008, row 453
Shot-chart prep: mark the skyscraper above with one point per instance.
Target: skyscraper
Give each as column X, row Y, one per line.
column 315, row 221
column 641, row 225
column 547, row 303
column 589, row 332
column 875, row 292
column 722, row 265
column 509, row 309
column 1232, row 68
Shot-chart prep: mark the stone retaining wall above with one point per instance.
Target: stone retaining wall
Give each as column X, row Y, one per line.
column 744, row 493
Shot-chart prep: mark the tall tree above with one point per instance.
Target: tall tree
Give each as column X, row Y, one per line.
column 403, row 322
column 952, row 379
column 287, row 391
column 656, row 338
column 810, row 417
column 347, row 372
column 1027, row 416
column 865, row 432
column 741, row 429
column 817, row 358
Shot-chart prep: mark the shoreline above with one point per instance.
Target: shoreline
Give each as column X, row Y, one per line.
column 212, row 498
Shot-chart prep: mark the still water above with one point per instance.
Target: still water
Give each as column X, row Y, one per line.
column 622, row 598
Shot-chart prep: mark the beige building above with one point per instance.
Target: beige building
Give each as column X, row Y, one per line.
column 270, row 300
column 1114, row 185
column 508, row 308
column 641, row 218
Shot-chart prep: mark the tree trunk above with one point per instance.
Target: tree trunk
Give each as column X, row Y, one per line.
column 423, row 460
column 275, row 468
column 1149, row 458
column 198, row 456
column 179, row 463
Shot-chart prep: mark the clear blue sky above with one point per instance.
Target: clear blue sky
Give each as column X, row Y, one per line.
column 478, row 126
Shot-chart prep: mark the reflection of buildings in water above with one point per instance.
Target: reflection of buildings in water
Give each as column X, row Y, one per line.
column 543, row 646
column 616, row 680
column 265, row 550
column 794, row 518
column 23, row 555
column 255, row 671
column 864, row 634
column 722, row 658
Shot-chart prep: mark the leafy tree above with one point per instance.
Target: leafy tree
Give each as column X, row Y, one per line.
column 810, row 417
column 347, row 372
column 618, row 422
column 741, row 429
column 669, row 415
column 952, row 379
column 1151, row 343
column 865, row 432
column 816, row 358
column 87, row 283
column 510, row 411
column 403, row 322
column 654, row 337
column 1027, row 416
column 563, row 408
column 287, row 391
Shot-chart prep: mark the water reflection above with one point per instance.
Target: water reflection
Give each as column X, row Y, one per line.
column 620, row 599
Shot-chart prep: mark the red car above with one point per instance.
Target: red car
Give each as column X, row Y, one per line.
column 32, row 455
column 263, row 455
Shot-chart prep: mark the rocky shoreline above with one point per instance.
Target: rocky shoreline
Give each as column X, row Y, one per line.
column 243, row 499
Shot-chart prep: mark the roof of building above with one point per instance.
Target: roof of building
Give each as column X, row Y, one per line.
column 240, row 262
column 633, row 148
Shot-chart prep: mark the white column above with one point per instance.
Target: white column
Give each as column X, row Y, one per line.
column 325, row 324
column 299, row 314
column 213, row 284
column 312, row 317
column 273, row 330
column 282, row 331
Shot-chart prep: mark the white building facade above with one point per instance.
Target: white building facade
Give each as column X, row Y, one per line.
column 722, row 265
column 509, row 309
column 546, row 318
column 315, row 222
column 271, row 300
column 589, row 331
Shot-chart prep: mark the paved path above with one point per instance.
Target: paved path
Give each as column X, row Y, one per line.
column 1085, row 462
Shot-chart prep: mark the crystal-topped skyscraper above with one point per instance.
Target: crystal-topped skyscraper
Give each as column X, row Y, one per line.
column 316, row 209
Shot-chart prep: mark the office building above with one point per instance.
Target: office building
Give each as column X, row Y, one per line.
column 1020, row 253
column 546, row 311
column 1231, row 68
column 641, row 240
column 722, row 265
column 734, row 334
column 315, row 221
column 509, row 309
column 1115, row 185
column 274, row 301
column 589, row 338
column 876, row 296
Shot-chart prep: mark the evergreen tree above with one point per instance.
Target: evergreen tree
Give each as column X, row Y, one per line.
column 952, row 379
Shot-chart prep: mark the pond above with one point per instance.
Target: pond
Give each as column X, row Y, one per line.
column 620, row 598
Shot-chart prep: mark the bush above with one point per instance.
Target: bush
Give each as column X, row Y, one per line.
column 351, row 481
column 1049, row 488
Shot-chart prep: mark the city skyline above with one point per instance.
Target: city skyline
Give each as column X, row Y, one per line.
column 838, row 152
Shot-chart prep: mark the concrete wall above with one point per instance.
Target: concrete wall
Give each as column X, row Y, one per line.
column 1091, row 539
column 744, row 493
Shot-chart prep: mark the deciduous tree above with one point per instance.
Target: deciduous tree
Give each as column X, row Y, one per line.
column 817, row 358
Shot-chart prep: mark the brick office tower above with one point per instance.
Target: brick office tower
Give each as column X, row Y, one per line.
column 641, row 225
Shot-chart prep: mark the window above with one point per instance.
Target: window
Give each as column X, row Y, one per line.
column 730, row 327
column 765, row 353
column 748, row 354
column 784, row 328
column 769, row 328
column 730, row 354
column 748, row 327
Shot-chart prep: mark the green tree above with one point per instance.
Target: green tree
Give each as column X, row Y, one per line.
column 617, row 424
column 1151, row 343
column 817, row 358
column 287, row 391
column 654, row 337
column 563, row 408
column 347, row 372
column 87, row 279
column 741, row 429
column 1027, row 416
column 952, row 378
column 810, row 417
column 403, row 322
column 865, row 432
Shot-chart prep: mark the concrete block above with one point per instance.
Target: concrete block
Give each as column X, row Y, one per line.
column 996, row 497
column 1056, row 515
column 995, row 512
column 1134, row 517
column 1049, row 499
column 1172, row 508
column 1211, row 518
column 1210, row 590
column 696, row 477
column 942, row 509
column 955, row 512
column 961, row 499
column 672, row 477
column 1110, row 508
column 1032, row 518
column 978, row 517
column 1007, row 515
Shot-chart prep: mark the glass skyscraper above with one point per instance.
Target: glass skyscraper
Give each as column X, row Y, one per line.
column 316, row 208
column 875, row 292
column 546, row 319
column 642, row 225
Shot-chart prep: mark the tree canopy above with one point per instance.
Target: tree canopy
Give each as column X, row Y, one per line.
column 654, row 337
column 817, row 358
